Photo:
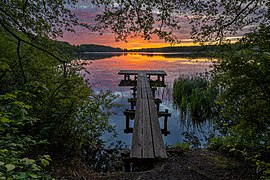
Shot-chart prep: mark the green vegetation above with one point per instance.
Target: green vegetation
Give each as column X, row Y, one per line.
column 242, row 104
column 47, row 112
column 96, row 48
column 201, row 50
column 195, row 97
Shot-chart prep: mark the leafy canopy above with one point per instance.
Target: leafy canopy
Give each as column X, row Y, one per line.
column 211, row 20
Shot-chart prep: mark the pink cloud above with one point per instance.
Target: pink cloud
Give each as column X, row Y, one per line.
column 86, row 13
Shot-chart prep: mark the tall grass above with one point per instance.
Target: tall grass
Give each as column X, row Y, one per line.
column 195, row 96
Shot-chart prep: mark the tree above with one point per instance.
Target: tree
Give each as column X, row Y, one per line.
column 243, row 77
column 34, row 22
column 212, row 20
column 46, row 107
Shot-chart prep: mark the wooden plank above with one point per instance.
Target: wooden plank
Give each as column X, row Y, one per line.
column 139, row 86
column 159, row 148
column 147, row 141
column 137, row 136
column 149, row 93
column 148, row 148
column 136, row 72
column 139, row 92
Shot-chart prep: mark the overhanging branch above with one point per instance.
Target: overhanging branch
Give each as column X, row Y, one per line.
column 29, row 43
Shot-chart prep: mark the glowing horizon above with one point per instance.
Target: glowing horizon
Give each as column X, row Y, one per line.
column 86, row 13
column 84, row 37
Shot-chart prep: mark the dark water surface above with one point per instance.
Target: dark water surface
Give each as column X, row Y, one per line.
column 104, row 74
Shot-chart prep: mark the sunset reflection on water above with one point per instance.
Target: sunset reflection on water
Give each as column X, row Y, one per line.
column 104, row 74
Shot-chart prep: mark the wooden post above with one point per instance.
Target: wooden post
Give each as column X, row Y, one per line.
column 134, row 89
column 134, row 94
column 132, row 105
column 157, row 106
column 127, row 121
column 166, row 121
column 163, row 79
column 153, row 91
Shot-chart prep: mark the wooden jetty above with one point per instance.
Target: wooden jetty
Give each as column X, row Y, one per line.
column 147, row 141
column 128, row 74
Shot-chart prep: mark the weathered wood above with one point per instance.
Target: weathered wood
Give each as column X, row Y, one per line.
column 153, row 146
column 147, row 141
column 159, row 148
column 137, row 136
column 148, row 144
column 159, row 113
column 133, row 83
column 148, row 72
column 133, row 100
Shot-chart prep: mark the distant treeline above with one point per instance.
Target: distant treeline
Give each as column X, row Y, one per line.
column 178, row 49
column 100, row 48
column 94, row 52
column 95, row 48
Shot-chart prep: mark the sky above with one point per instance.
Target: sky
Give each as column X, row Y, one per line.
column 86, row 13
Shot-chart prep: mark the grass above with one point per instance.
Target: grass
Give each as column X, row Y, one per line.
column 195, row 96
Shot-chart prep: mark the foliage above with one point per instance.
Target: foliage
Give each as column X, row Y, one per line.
column 244, row 99
column 46, row 109
column 183, row 146
column 38, row 19
column 96, row 48
column 138, row 18
column 240, row 107
column 15, row 142
column 210, row 21
column 195, row 96
column 213, row 21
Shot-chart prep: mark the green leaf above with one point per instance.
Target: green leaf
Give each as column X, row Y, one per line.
column 2, row 176
column 35, row 167
column 21, row 175
column 34, row 176
column 4, row 120
column 1, row 163
column 3, row 151
column 48, row 157
column 44, row 162
column 10, row 167
column 28, row 161
column 8, row 96
column 4, row 66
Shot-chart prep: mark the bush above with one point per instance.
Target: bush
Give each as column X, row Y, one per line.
column 47, row 108
column 243, row 77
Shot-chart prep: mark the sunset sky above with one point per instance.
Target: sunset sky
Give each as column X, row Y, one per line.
column 86, row 13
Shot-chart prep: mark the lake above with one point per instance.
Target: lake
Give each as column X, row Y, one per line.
column 104, row 68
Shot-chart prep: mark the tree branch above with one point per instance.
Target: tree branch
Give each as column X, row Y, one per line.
column 237, row 16
column 29, row 43
column 20, row 60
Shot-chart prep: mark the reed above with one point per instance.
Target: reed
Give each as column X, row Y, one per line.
column 195, row 96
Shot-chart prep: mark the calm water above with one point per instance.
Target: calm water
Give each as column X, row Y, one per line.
column 104, row 68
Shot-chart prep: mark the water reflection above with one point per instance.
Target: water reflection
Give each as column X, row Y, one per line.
column 103, row 55
column 104, row 74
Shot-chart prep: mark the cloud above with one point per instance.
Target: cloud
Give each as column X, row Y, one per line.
column 86, row 13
